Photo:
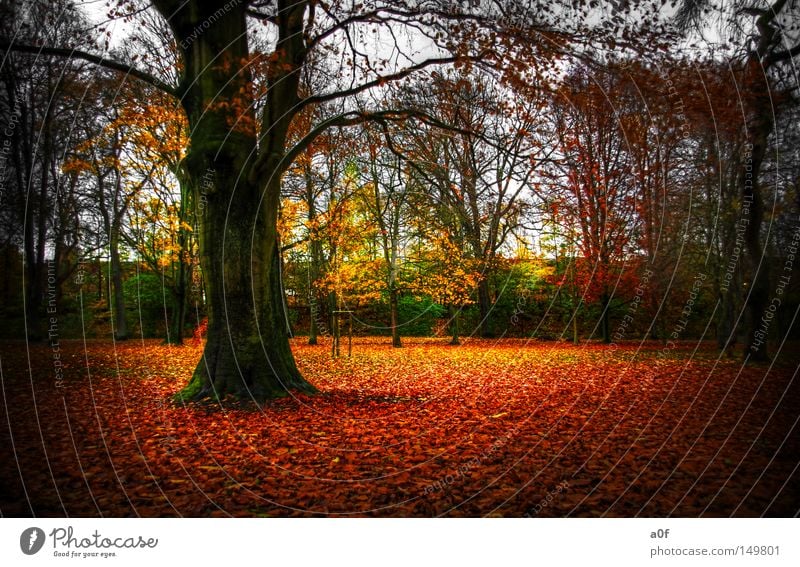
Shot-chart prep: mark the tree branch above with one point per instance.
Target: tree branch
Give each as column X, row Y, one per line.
column 318, row 99
column 128, row 70
column 779, row 56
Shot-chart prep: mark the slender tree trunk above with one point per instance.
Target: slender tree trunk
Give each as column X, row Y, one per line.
column 333, row 305
column 576, row 340
column 454, row 340
column 752, row 202
column 314, row 264
column 313, row 300
column 393, row 307
column 605, row 322
column 726, row 333
column 34, row 260
column 484, row 308
column 178, row 319
column 313, row 310
column 33, row 285
column 181, row 286
column 120, row 319
column 576, row 302
column 99, row 280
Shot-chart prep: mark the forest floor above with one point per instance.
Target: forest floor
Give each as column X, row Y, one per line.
column 489, row 428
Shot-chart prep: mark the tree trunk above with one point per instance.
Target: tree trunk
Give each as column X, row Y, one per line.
column 393, row 307
column 576, row 340
column 605, row 322
column 726, row 332
column 120, row 320
column 758, row 296
column 99, row 279
column 178, row 319
column 313, row 300
column 314, row 247
column 180, row 294
column 454, row 340
column 314, row 313
column 485, row 308
column 247, row 352
column 33, row 269
column 33, row 284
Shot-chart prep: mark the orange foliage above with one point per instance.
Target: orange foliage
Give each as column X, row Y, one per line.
column 489, row 428
column 450, row 277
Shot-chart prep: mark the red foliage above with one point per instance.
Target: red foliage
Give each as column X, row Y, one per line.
column 489, row 428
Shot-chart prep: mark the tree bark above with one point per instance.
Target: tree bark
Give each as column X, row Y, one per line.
column 247, row 352
column 178, row 319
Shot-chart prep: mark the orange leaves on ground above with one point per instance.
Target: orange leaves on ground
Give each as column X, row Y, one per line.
column 488, row 428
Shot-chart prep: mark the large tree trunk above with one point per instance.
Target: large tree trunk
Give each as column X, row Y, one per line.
column 247, row 352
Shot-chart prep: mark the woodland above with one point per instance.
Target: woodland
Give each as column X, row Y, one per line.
column 515, row 258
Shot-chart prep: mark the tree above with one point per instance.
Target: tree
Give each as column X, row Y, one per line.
column 711, row 159
column 385, row 200
column 241, row 259
column 318, row 180
column 479, row 162
column 107, row 158
column 447, row 276
column 244, row 154
column 40, row 97
column 766, row 47
column 161, row 216
column 597, row 185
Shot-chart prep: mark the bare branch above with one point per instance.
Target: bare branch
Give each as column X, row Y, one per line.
column 128, row 70
column 379, row 81
column 779, row 56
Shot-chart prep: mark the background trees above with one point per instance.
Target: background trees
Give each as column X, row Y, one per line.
column 478, row 159
column 41, row 101
column 765, row 43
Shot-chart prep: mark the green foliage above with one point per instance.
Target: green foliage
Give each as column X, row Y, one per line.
column 418, row 316
column 145, row 292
